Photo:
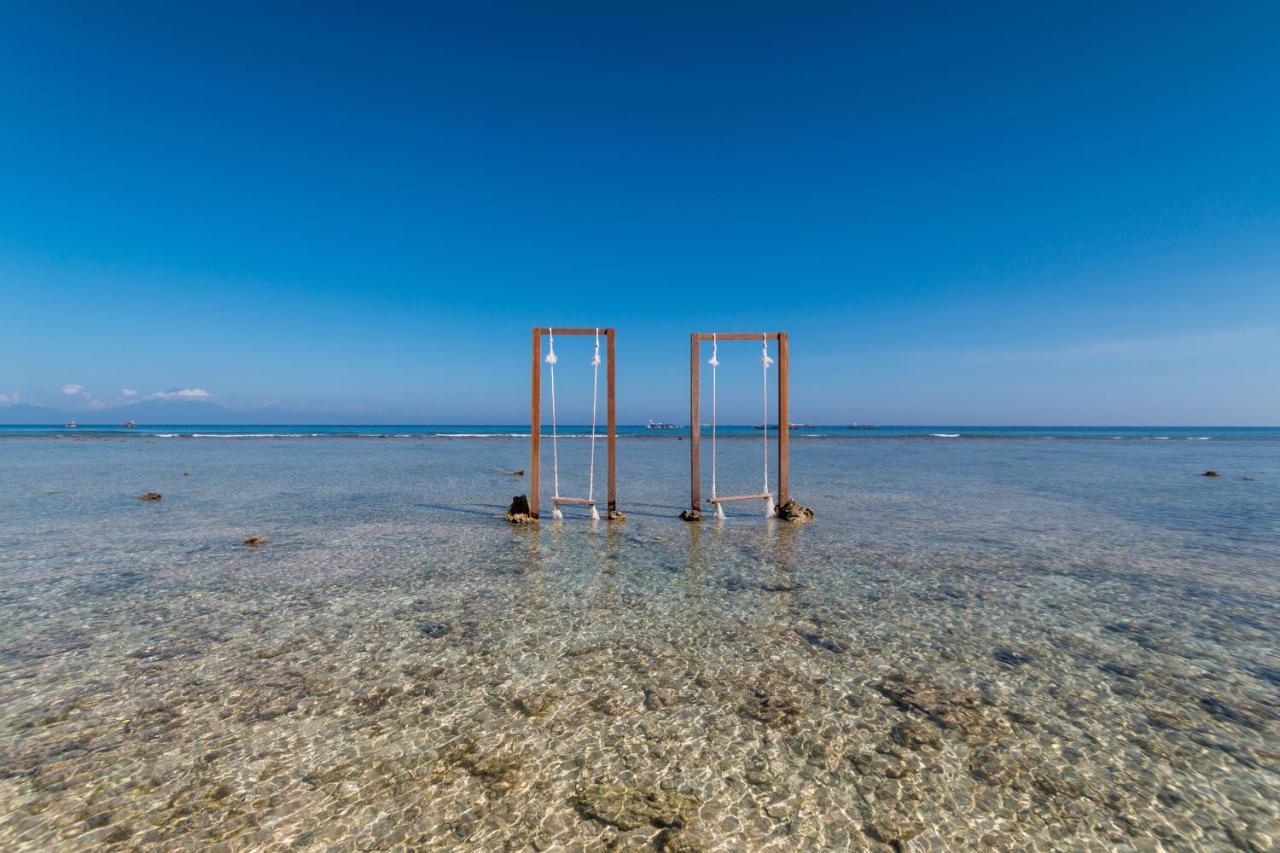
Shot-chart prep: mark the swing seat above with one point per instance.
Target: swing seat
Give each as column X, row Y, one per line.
column 732, row 498
column 574, row 501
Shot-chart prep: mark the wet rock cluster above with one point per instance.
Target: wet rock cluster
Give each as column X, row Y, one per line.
column 792, row 511
column 519, row 512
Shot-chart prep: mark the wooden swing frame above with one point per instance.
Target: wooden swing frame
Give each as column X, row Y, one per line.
column 695, row 415
column 535, row 419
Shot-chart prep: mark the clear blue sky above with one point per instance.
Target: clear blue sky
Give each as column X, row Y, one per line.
column 963, row 213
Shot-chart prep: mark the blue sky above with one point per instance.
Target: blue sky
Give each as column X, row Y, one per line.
column 997, row 213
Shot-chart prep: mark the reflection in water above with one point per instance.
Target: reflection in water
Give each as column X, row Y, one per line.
column 1015, row 646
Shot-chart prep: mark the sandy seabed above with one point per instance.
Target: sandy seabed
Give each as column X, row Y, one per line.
column 1016, row 645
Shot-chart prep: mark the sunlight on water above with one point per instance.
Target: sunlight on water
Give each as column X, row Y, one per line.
column 1020, row 643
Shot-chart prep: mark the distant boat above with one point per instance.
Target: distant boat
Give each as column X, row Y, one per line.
column 129, row 425
column 659, row 425
column 72, row 424
column 862, row 426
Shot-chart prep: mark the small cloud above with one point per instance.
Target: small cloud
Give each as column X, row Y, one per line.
column 74, row 390
column 128, row 392
column 183, row 394
column 10, row 399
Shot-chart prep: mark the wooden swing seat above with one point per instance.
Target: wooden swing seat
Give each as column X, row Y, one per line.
column 731, row 498
column 574, row 501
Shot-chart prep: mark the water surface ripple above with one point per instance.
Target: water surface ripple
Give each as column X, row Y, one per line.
column 1020, row 644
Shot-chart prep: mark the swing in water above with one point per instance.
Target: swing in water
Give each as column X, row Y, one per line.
column 783, row 507
column 526, row 508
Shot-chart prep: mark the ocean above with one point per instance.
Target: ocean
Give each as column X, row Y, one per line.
column 1048, row 638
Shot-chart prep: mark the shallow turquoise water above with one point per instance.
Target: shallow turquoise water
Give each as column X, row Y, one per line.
column 1022, row 642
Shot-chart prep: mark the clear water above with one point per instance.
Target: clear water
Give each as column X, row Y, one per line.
column 1004, row 641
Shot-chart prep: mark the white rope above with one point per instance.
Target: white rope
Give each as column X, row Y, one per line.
column 715, row 363
column 555, row 444
column 765, row 361
column 595, row 406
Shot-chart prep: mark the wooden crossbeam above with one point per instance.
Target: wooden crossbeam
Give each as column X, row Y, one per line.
column 732, row 498
column 737, row 336
column 577, row 501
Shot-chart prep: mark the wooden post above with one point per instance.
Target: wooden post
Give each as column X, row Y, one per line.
column 784, row 420
column 613, row 428
column 535, row 426
column 695, row 427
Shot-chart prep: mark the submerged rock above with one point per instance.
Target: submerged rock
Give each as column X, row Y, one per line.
column 615, row 515
column 691, row 515
column 916, row 734
column 1209, row 473
column 892, row 828
column 1009, row 657
column 656, row 698
column 792, row 511
column 537, row 704
column 519, row 472
column 628, row 806
column 518, row 512
column 683, row 840
column 150, row 496
column 254, row 541
column 823, row 640
column 771, row 707
column 950, row 708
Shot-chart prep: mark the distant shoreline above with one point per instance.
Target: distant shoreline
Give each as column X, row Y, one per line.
column 943, row 432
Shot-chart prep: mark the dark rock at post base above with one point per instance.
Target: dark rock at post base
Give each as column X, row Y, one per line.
column 792, row 511
column 518, row 512
column 615, row 515
column 691, row 515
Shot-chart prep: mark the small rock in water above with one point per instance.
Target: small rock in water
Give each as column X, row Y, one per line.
column 691, row 515
column 433, row 630
column 1011, row 658
column 150, row 496
column 254, row 541
column 792, row 511
column 519, row 472
column 1209, row 473
column 615, row 515
column 518, row 512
